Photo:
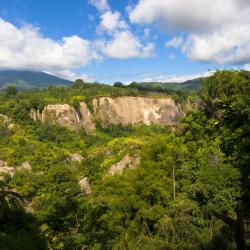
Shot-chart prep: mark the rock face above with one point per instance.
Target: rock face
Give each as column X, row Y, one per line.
column 126, row 162
column 7, row 122
column 76, row 158
column 5, row 169
column 86, row 118
column 85, row 186
column 132, row 110
column 66, row 116
column 122, row 110
column 61, row 114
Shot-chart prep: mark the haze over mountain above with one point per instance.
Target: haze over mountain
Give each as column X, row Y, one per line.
column 24, row 79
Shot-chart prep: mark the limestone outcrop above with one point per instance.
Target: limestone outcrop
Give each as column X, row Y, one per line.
column 131, row 110
column 126, row 162
column 85, row 186
column 10, row 170
column 5, row 169
column 65, row 115
column 121, row 110
column 7, row 122
column 75, row 158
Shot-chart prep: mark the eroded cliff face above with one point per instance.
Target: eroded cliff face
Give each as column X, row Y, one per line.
column 66, row 116
column 132, row 110
column 122, row 110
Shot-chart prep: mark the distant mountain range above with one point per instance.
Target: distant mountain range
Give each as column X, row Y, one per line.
column 25, row 80
column 29, row 79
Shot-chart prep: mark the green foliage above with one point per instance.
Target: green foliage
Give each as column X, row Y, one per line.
column 201, row 165
column 11, row 91
column 118, row 84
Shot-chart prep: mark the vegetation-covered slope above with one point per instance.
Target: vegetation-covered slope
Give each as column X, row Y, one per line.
column 190, row 85
column 29, row 79
column 189, row 191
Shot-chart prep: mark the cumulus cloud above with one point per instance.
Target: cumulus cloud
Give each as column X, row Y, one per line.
column 111, row 21
column 215, row 31
column 101, row 5
column 121, row 42
column 125, row 45
column 230, row 45
column 26, row 48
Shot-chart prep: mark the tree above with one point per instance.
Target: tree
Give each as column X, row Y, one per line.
column 11, row 91
column 9, row 199
column 132, row 85
column 225, row 97
column 118, row 84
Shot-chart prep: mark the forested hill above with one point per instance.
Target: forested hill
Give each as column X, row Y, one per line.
column 190, row 85
column 134, row 187
column 29, row 79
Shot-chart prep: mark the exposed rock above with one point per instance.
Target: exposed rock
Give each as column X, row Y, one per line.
column 122, row 110
column 65, row 115
column 75, row 157
column 87, row 119
column 36, row 114
column 126, row 162
column 5, row 169
column 85, row 186
column 61, row 114
column 131, row 110
column 5, row 119
column 7, row 122
column 24, row 166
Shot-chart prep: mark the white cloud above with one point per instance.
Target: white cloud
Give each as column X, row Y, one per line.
column 246, row 67
column 188, row 15
column 175, row 78
column 26, row 48
column 175, row 42
column 125, row 45
column 71, row 75
column 121, row 42
column 111, row 21
column 229, row 45
column 101, row 5
column 215, row 31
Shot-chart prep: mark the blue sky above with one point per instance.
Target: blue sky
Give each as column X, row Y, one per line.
column 118, row 40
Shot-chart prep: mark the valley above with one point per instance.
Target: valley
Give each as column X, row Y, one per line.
column 93, row 166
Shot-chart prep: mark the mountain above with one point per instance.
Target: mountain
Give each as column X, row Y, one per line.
column 24, row 79
column 193, row 85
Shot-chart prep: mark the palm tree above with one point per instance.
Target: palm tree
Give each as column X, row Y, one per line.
column 9, row 199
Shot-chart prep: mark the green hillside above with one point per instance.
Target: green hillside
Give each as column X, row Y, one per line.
column 191, row 85
column 186, row 187
column 29, row 79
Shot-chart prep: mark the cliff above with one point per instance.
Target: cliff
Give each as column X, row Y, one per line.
column 131, row 110
column 122, row 110
column 66, row 116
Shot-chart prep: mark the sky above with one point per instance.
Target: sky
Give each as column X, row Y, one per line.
column 125, row 40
